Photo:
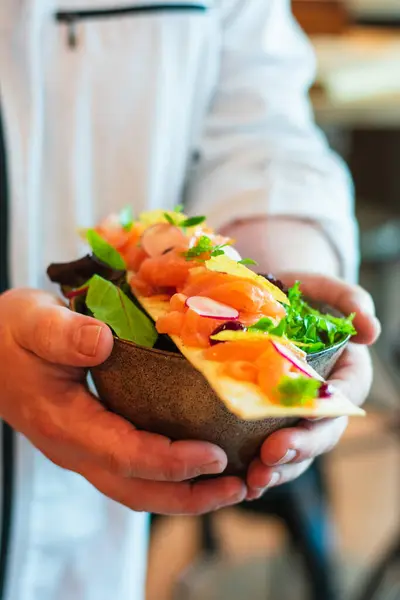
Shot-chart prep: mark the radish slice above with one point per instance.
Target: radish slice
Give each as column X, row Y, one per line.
column 296, row 362
column 232, row 253
column 161, row 237
column 206, row 307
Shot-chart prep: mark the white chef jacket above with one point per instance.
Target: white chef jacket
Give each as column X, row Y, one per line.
column 107, row 103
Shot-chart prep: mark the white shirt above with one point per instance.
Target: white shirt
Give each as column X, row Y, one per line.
column 207, row 104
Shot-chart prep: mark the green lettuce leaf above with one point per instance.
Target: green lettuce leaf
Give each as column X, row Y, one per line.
column 111, row 305
column 297, row 391
column 310, row 329
column 104, row 251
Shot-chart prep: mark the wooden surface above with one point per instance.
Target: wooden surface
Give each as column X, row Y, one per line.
column 358, row 78
column 321, row 16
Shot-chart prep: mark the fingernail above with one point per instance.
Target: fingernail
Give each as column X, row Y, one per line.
column 256, row 495
column 212, row 468
column 287, row 458
column 88, row 339
column 275, row 477
column 236, row 497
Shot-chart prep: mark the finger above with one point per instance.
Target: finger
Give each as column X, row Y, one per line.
column 168, row 498
column 83, row 430
column 344, row 297
column 262, row 478
column 353, row 373
column 308, row 440
column 41, row 324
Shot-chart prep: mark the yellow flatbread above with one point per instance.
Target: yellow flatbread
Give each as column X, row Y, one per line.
column 246, row 400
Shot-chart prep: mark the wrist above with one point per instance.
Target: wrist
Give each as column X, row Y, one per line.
column 280, row 244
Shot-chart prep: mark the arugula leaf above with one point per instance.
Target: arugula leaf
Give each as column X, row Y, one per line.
column 169, row 219
column 110, row 305
column 126, row 218
column 307, row 327
column 192, row 221
column 297, row 391
column 247, row 261
column 104, row 251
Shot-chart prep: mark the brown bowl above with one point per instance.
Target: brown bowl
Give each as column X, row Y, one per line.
column 163, row 393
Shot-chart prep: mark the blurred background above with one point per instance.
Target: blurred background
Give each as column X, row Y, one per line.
column 335, row 533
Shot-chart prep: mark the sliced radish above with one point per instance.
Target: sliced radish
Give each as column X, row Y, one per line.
column 161, row 237
column 206, row 307
column 232, row 253
column 296, row 361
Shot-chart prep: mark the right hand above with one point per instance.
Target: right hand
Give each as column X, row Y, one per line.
column 44, row 349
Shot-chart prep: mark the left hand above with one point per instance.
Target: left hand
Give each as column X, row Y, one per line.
column 287, row 453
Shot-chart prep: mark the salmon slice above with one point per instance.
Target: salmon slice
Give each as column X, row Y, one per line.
column 133, row 255
column 248, row 351
column 169, row 270
column 241, row 370
column 171, row 323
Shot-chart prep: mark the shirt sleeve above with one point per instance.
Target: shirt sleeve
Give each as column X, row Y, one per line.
column 261, row 152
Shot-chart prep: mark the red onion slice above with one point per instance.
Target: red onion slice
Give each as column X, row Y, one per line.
column 296, row 362
column 160, row 237
column 206, row 307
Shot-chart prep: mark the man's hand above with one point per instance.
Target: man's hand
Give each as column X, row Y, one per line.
column 44, row 349
column 286, row 454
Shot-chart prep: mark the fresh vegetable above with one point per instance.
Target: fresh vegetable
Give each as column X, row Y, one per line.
column 126, row 218
column 203, row 246
column 104, row 251
column 227, row 326
column 307, row 327
column 109, row 304
column 298, row 390
column 161, row 237
column 299, row 364
column 206, row 307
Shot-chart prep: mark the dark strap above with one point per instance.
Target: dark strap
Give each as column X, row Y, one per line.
column 7, row 435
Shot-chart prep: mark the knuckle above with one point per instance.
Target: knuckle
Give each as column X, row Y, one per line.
column 44, row 328
column 174, row 470
column 48, row 429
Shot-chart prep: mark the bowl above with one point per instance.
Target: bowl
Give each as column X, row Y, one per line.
column 161, row 392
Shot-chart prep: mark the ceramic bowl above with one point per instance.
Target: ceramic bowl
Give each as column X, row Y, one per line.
column 162, row 392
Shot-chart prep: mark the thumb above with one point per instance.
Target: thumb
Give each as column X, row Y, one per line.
column 41, row 324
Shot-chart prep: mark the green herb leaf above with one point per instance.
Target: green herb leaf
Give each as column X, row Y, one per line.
column 126, row 218
column 104, row 251
column 263, row 324
column 247, row 261
column 307, row 327
column 110, row 305
column 169, row 219
column 192, row 221
column 297, row 391
column 204, row 245
column 179, row 208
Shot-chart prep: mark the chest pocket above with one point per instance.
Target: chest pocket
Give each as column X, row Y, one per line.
column 74, row 16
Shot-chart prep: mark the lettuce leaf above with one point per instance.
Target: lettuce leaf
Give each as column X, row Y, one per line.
column 297, row 391
column 305, row 326
column 111, row 305
column 104, row 251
